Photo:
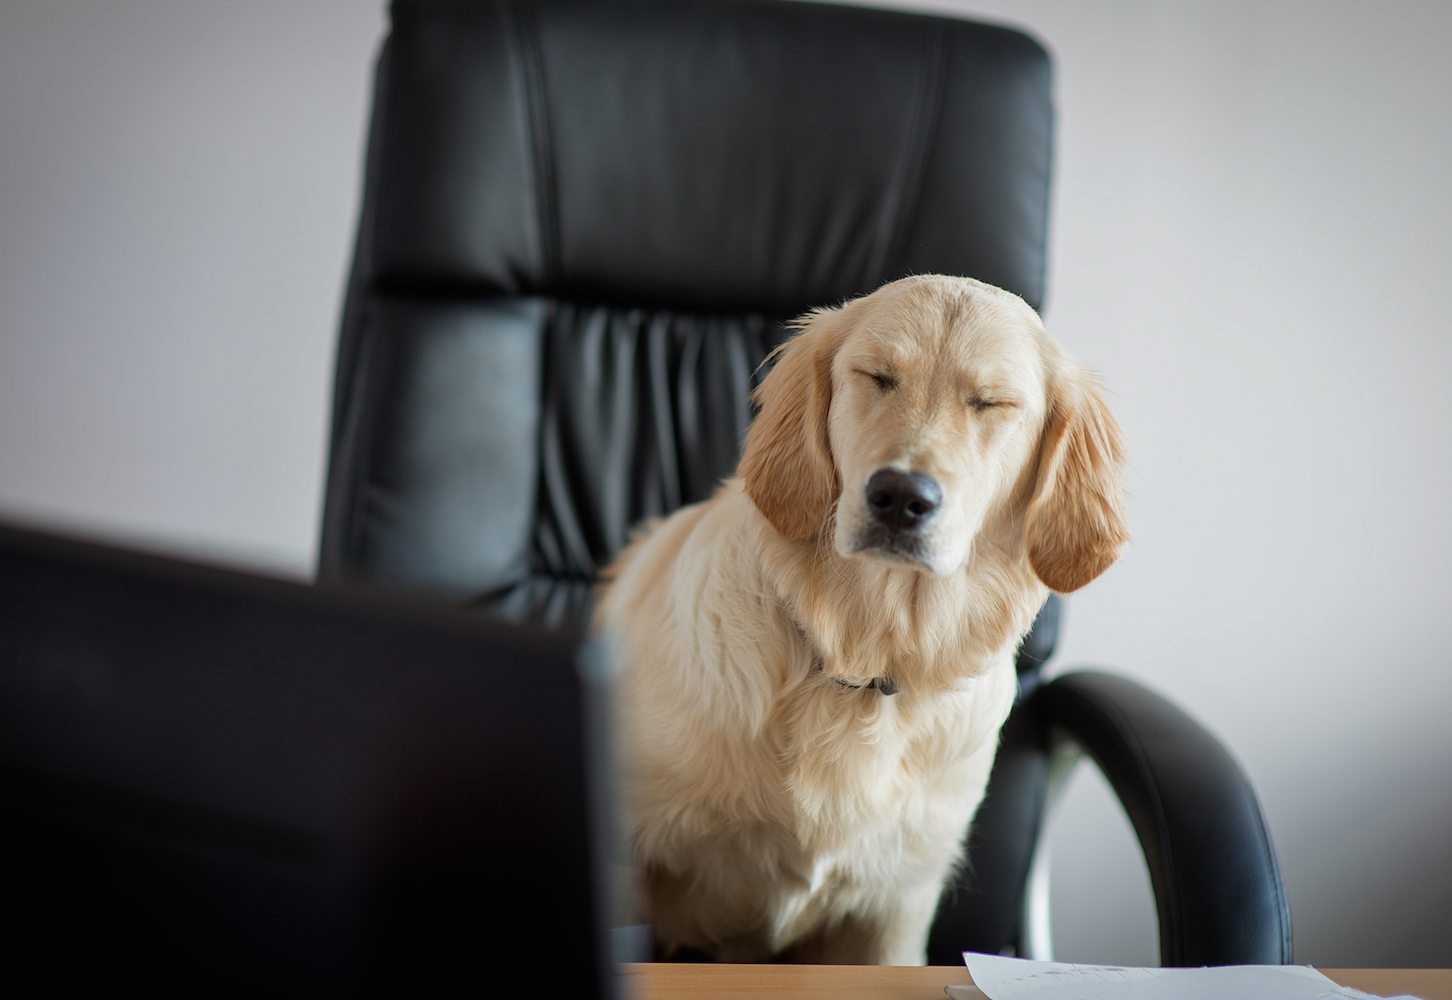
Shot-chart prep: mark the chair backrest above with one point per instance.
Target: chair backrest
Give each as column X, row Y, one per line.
column 584, row 225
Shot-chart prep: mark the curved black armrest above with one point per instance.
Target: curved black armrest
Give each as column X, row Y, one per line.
column 1217, row 886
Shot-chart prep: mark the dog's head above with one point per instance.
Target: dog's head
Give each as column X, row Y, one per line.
column 926, row 411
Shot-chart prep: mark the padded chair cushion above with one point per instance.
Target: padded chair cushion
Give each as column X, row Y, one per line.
column 749, row 156
column 584, row 225
column 509, row 445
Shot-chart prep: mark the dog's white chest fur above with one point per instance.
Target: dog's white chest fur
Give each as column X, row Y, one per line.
column 768, row 804
column 872, row 815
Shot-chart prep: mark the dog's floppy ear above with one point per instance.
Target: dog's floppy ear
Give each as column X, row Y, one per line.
column 787, row 463
column 1075, row 526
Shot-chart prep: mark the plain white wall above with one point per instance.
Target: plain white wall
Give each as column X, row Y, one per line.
column 178, row 187
column 1250, row 242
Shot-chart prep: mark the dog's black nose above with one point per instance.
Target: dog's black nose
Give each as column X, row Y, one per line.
column 902, row 500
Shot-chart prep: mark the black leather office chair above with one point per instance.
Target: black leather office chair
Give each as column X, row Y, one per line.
column 584, row 224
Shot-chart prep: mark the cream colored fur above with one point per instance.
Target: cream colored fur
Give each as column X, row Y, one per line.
column 773, row 811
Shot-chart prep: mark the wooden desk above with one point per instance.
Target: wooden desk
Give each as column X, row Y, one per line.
column 847, row 982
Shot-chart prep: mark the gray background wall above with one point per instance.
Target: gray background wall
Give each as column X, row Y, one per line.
column 1250, row 243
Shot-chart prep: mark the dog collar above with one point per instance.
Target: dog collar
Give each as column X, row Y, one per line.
column 882, row 685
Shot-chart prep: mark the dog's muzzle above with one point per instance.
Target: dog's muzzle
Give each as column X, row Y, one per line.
column 900, row 506
column 903, row 501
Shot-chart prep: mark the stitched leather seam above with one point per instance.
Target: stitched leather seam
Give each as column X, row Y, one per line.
column 525, row 42
column 553, row 480
column 910, row 177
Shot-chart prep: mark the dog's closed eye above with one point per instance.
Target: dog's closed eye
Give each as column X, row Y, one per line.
column 885, row 381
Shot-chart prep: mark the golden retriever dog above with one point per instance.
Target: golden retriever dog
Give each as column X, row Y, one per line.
column 816, row 662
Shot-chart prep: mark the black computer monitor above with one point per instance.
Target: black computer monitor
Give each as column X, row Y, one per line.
column 225, row 783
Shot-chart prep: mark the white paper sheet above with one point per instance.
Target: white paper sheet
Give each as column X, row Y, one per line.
column 1019, row 979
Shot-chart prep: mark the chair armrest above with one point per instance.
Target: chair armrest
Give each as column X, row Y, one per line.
column 1217, row 886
